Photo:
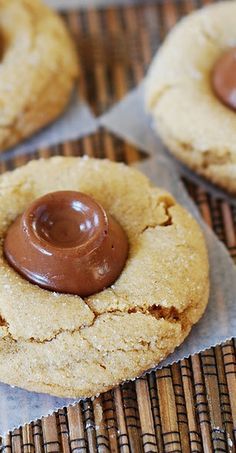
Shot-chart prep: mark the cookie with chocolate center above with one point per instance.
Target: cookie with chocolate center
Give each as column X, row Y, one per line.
column 191, row 92
column 79, row 345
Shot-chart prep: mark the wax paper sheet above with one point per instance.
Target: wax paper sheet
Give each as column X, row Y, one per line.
column 74, row 123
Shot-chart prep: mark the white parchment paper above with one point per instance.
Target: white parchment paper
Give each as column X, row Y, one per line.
column 76, row 122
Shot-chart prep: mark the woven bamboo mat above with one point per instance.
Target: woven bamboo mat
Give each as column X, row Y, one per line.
column 190, row 406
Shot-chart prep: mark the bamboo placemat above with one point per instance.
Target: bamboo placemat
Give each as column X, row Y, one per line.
column 190, row 406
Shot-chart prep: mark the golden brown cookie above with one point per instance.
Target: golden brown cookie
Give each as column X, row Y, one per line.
column 69, row 346
column 38, row 68
column 195, row 125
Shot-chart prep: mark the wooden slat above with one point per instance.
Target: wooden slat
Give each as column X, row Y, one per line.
column 193, row 424
column 181, row 408
column 212, row 387
column 169, row 417
column 201, row 404
column 146, row 416
column 78, row 439
column 51, row 440
column 63, row 430
column 132, row 417
column 100, row 426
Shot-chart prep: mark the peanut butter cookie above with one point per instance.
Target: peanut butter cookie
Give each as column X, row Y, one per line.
column 77, row 347
column 38, row 68
column 191, row 92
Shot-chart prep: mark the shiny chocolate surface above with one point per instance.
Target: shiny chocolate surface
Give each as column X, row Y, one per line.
column 66, row 242
column 224, row 78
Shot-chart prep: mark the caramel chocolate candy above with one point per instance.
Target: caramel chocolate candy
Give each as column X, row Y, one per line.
column 224, row 78
column 66, row 242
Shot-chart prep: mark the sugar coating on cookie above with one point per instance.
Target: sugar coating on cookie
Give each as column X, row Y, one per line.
column 195, row 125
column 38, row 68
column 72, row 346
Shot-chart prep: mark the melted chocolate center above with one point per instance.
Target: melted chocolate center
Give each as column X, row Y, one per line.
column 224, row 78
column 66, row 242
column 67, row 223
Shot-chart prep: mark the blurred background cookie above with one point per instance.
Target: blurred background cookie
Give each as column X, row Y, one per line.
column 38, row 69
column 191, row 92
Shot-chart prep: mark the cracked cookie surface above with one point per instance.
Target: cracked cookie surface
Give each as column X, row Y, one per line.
column 38, row 68
column 193, row 123
column 69, row 346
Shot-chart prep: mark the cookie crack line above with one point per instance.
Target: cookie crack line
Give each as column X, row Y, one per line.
column 160, row 94
column 211, row 39
column 151, row 346
column 169, row 221
column 157, row 310
column 209, row 156
column 171, row 314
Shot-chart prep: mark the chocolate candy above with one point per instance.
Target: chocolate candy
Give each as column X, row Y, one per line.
column 66, row 242
column 224, row 78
